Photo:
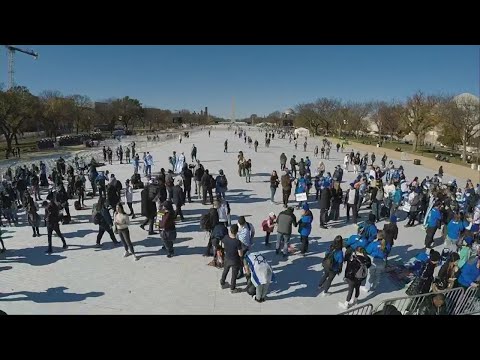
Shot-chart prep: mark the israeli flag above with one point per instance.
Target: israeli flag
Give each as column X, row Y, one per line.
column 260, row 270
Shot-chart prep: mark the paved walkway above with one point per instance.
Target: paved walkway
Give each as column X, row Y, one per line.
column 86, row 280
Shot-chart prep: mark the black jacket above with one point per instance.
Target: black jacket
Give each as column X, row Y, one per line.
column 325, row 198
column 199, row 173
column 187, row 178
column 390, row 232
column 206, row 181
column 428, row 308
column 353, row 265
column 177, row 196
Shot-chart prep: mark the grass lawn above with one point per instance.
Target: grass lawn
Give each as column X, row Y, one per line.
column 408, row 148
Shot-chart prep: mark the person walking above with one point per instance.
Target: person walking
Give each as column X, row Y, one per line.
column 283, row 161
column 332, row 265
column 286, row 219
column 168, row 231
column 286, row 182
column 33, row 217
column 52, row 220
column 248, row 170
column 178, row 199
column 187, row 176
column 102, row 218
column 268, row 226
column 357, row 264
column 262, row 275
column 293, row 166
column 233, row 258
column 199, row 171
column 433, row 223
column 305, row 227
column 149, row 196
column 129, row 197
column 221, row 184
column 246, row 233
column 122, row 221
column 208, row 183
column 273, row 185
column 194, row 153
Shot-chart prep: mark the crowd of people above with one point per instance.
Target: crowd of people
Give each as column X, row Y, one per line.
column 381, row 188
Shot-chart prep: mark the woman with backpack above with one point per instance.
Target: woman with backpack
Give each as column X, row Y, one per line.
column 358, row 264
column 268, row 226
column 332, row 265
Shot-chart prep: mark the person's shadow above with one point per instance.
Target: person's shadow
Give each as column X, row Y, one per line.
column 51, row 295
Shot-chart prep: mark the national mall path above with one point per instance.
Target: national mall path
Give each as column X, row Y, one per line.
column 87, row 280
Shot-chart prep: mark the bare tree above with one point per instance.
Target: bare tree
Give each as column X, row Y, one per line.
column 322, row 114
column 356, row 117
column 56, row 112
column 461, row 115
column 16, row 106
column 386, row 117
column 82, row 106
column 420, row 115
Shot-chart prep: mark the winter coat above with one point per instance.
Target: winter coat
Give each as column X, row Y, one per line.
column 352, row 260
column 428, row 308
column 177, row 196
column 325, row 199
column 305, row 224
column 187, row 178
column 285, row 220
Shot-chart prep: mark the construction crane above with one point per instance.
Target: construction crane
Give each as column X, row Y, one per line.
column 11, row 52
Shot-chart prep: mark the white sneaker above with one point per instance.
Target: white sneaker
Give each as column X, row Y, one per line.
column 324, row 293
column 344, row 305
column 135, row 257
column 126, row 254
column 353, row 302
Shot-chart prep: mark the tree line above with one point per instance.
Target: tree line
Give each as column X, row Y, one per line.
column 455, row 119
column 55, row 114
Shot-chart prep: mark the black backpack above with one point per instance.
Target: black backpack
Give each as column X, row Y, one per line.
column 205, row 222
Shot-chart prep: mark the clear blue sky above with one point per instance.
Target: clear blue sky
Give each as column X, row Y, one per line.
column 262, row 79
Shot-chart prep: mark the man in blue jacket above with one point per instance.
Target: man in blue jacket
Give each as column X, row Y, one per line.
column 433, row 222
column 305, row 227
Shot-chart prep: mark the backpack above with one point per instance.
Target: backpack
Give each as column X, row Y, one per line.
column 222, row 181
column 265, row 225
column 97, row 218
column 329, row 260
column 205, row 222
column 362, row 270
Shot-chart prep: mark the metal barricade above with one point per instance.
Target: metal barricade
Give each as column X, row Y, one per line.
column 409, row 305
column 469, row 304
column 361, row 310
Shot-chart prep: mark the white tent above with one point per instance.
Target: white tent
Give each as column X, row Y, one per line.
column 302, row 132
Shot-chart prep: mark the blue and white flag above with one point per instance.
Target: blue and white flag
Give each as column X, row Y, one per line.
column 261, row 271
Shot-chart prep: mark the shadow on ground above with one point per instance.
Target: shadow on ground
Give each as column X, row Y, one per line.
column 51, row 295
